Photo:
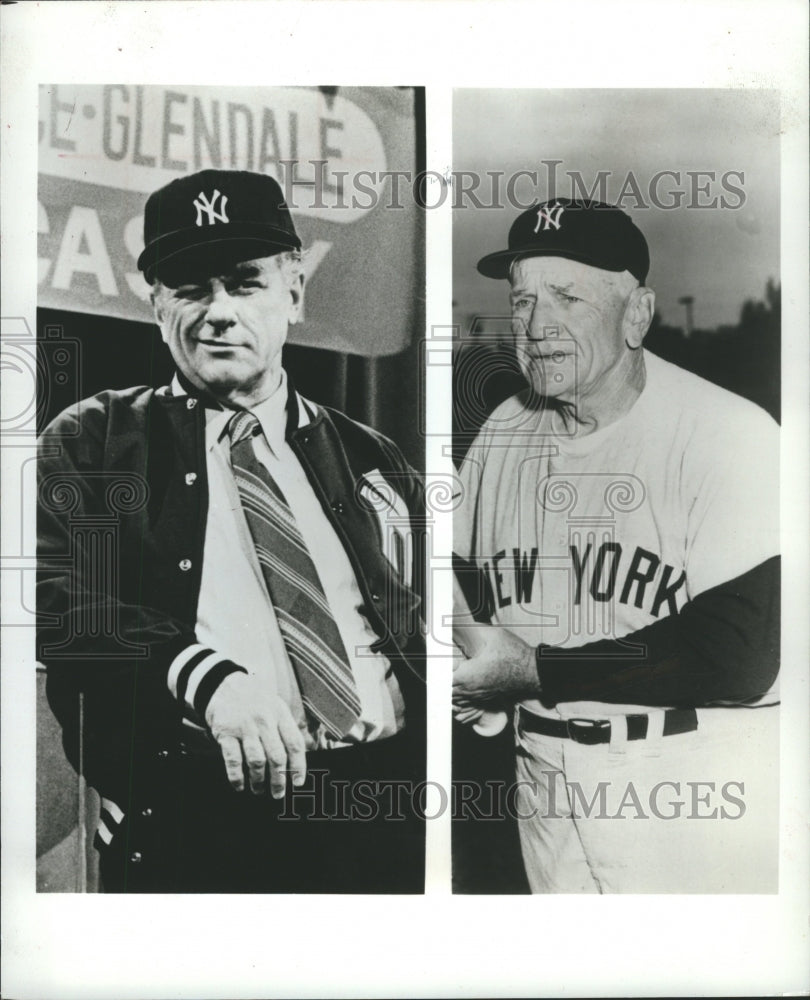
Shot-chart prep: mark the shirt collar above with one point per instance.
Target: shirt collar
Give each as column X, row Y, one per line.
column 272, row 414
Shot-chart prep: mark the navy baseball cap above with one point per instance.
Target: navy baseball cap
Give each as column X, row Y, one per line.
column 590, row 232
column 214, row 218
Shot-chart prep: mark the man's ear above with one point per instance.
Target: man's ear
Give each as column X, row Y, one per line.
column 297, row 299
column 638, row 315
column 156, row 298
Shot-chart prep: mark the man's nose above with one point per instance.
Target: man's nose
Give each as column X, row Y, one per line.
column 220, row 313
column 541, row 325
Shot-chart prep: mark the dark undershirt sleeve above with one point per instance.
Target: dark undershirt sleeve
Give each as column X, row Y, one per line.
column 723, row 647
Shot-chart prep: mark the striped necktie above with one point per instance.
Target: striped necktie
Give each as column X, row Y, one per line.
column 307, row 626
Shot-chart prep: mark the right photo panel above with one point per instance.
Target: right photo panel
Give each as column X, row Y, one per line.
column 616, row 296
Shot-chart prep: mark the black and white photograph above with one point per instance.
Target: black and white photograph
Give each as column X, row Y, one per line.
column 616, row 408
column 405, row 460
column 229, row 541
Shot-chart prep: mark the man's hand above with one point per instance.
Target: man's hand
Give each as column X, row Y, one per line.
column 503, row 669
column 467, row 716
column 255, row 728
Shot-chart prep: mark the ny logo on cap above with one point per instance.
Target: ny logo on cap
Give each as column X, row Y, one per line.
column 209, row 207
column 548, row 217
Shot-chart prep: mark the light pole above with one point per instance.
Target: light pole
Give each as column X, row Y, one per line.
column 687, row 300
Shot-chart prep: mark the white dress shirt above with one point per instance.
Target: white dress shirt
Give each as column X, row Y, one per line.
column 234, row 614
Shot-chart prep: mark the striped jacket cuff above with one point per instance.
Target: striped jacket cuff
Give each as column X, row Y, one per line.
column 109, row 823
column 195, row 674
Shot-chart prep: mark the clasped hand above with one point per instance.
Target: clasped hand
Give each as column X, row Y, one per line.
column 503, row 669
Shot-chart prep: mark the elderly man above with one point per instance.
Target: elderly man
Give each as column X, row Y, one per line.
column 252, row 653
column 620, row 520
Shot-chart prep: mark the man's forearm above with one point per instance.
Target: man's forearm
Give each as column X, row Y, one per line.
column 722, row 647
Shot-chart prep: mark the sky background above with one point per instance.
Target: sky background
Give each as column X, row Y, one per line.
column 721, row 257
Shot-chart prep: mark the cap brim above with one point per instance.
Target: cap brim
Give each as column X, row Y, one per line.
column 496, row 265
column 186, row 247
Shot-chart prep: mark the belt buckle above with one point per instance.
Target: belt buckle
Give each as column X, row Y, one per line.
column 591, row 732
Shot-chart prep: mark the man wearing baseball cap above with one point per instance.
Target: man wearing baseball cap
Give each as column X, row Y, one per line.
column 619, row 518
column 258, row 651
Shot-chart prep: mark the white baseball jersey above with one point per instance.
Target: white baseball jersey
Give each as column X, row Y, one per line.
column 594, row 537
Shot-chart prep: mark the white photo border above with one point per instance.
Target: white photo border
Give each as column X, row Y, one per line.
column 65, row 946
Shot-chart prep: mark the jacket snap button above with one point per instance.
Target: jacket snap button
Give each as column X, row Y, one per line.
column 185, row 565
column 375, row 598
column 190, row 404
column 191, row 478
column 163, row 754
column 146, row 812
column 136, row 857
column 337, row 507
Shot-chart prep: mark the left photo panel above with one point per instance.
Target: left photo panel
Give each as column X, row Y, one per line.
column 230, row 503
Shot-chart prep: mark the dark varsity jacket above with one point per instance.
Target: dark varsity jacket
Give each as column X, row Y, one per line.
column 122, row 506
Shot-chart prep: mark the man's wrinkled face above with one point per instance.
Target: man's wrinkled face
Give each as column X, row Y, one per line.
column 226, row 331
column 567, row 322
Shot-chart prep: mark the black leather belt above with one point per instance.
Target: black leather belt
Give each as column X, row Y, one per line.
column 200, row 743
column 593, row 731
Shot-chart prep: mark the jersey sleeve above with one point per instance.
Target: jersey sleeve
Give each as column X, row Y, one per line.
column 732, row 481
column 468, row 511
column 721, row 649
column 466, row 493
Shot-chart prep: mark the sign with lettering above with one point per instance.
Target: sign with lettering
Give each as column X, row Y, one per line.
column 345, row 158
